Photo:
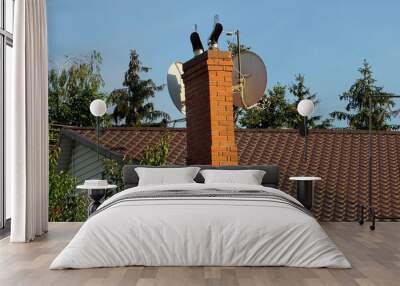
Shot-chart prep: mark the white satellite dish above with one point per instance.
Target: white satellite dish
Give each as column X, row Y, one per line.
column 176, row 87
column 254, row 79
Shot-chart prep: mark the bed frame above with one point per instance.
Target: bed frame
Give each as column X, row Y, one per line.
column 271, row 177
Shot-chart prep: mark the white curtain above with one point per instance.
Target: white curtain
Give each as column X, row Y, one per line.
column 27, row 124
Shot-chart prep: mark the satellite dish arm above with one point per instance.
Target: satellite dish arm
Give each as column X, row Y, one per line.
column 240, row 76
column 213, row 39
column 196, row 43
column 238, row 56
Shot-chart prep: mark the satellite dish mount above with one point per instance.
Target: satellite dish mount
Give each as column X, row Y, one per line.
column 241, row 77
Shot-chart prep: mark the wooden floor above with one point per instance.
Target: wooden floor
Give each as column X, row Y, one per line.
column 375, row 257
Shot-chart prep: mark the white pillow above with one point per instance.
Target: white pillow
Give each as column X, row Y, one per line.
column 166, row 176
column 248, row 177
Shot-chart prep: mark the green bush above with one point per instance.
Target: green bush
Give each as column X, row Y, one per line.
column 157, row 154
column 112, row 172
column 64, row 203
column 154, row 155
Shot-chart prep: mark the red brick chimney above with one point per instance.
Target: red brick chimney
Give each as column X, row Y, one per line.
column 209, row 109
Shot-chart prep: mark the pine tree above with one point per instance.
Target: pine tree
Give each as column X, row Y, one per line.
column 357, row 109
column 132, row 105
column 300, row 91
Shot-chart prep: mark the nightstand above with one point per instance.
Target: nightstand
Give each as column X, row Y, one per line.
column 305, row 190
column 97, row 193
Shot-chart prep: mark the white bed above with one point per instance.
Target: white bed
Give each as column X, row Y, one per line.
column 202, row 231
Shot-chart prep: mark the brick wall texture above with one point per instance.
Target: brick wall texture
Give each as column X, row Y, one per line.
column 209, row 109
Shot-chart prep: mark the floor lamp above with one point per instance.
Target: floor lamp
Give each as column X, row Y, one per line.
column 371, row 210
column 305, row 109
column 98, row 108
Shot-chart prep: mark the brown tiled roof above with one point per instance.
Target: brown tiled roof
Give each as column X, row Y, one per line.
column 339, row 157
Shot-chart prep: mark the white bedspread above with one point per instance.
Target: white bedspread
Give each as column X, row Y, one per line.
column 206, row 231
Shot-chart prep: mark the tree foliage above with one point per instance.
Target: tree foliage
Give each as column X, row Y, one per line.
column 275, row 111
column 73, row 88
column 300, row 91
column 154, row 155
column 357, row 109
column 132, row 105
column 112, row 172
column 64, row 203
column 157, row 154
column 270, row 112
column 232, row 47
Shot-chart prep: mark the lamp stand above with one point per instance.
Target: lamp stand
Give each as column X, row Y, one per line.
column 371, row 210
column 97, row 137
column 305, row 139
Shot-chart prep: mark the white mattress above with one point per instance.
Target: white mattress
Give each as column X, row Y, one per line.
column 199, row 231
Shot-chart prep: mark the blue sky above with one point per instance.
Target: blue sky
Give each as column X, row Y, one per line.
column 324, row 40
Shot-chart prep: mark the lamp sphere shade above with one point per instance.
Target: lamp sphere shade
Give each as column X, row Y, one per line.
column 98, row 107
column 305, row 107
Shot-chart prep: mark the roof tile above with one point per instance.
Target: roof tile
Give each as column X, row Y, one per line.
column 339, row 157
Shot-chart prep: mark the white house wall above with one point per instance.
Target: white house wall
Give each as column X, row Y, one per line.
column 84, row 164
